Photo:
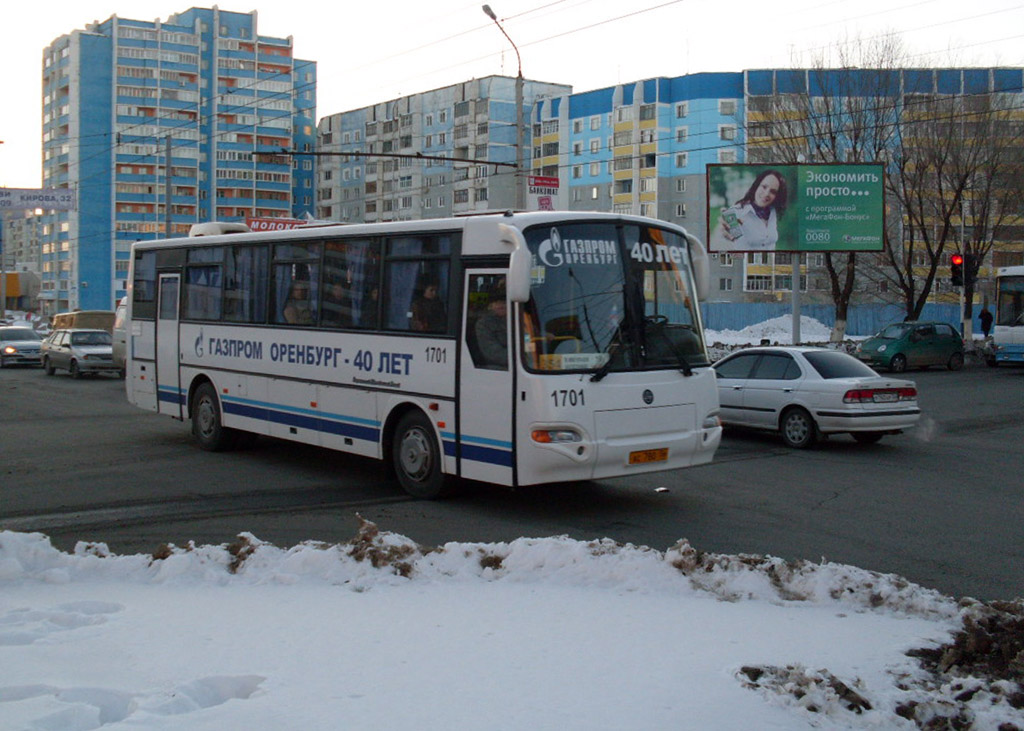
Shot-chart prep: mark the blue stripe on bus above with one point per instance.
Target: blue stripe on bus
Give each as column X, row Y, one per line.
column 476, row 449
column 485, row 454
column 171, row 395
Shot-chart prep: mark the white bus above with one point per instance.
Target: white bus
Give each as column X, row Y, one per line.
column 515, row 349
column 1008, row 335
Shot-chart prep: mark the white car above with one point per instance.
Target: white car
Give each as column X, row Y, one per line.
column 19, row 346
column 805, row 392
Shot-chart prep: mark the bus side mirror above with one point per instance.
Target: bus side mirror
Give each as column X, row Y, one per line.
column 518, row 284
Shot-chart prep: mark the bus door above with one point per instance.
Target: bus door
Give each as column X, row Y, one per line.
column 168, row 388
column 485, row 438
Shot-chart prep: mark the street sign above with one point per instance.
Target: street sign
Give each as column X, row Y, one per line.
column 27, row 199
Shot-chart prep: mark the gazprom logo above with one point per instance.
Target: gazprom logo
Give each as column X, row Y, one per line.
column 199, row 344
column 550, row 250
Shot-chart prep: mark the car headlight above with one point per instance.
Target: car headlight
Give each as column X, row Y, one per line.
column 10, row 350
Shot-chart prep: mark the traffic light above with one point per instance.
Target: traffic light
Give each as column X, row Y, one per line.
column 970, row 268
column 956, row 270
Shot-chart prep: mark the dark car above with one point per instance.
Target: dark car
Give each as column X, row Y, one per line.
column 905, row 345
column 19, row 346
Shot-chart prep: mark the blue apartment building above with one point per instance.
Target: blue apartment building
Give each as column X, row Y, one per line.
column 203, row 84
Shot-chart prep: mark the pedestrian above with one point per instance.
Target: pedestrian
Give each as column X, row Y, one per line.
column 986, row 321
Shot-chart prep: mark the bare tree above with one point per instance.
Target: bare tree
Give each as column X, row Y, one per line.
column 952, row 165
column 846, row 113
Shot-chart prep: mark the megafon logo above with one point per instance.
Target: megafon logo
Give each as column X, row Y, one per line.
column 550, row 250
column 199, row 344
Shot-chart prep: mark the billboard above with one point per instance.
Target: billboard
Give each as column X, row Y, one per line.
column 28, row 199
column 813, row 207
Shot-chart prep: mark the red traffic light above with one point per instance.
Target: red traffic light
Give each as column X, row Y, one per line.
column 956, row 259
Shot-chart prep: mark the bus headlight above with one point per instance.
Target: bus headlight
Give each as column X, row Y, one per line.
column 555, row 436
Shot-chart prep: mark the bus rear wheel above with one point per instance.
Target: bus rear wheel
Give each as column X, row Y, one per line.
column 416, row 458
column 207, row 428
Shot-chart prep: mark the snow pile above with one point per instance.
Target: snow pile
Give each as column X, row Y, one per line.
column 777, row 331
column 534, row 633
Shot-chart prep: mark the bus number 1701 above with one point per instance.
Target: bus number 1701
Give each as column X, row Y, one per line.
column 437, row 355
column 568, row 397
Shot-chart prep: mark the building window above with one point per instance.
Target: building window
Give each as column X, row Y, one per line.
column 680, row 185
column 577, row 126
column 725, row 285
column 577, row 172
column 725, row 260
column 682, row 158
column 647, row 111
column 727, row 107
column 682, row 109
column 593, row 193
column 595, row 169
column 727, row 157
column 595, row 122
column 759, row 283
column 577, row 148
column 680, row 210
column 727, row 131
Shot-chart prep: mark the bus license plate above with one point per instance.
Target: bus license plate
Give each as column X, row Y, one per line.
column 647, row 456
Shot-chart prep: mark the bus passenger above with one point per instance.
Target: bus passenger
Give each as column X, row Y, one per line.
column 491, row 332
column 297, row 310
column 428, row 313
column 337, row 310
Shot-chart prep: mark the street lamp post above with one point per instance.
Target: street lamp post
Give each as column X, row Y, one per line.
column 520, row 177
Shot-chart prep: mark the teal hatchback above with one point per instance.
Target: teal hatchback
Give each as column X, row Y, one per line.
column 913, row 345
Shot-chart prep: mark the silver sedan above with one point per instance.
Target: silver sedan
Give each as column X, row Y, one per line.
column 804, row 393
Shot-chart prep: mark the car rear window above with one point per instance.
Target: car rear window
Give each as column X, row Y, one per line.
column 838, row 365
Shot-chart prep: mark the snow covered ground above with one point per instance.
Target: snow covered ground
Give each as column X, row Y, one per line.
column 539, row 633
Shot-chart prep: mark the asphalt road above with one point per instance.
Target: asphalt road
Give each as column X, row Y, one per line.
column 941, row 505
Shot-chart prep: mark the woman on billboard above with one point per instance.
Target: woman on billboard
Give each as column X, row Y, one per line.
column 751, row 224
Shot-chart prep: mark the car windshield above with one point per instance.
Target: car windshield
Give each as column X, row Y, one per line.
column 96, row 338
column 18, row 333
column 830, row 364
column 894, row 332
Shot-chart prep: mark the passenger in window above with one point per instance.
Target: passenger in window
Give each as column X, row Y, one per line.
column 297, row 310
column 491, row 331
column 337, row 310
column 428, row 314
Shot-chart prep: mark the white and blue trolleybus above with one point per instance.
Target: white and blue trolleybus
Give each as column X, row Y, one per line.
column 1007, row 344
column 516, row 349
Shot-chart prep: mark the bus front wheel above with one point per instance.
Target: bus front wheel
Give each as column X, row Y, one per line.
column 417, row 458
column 207, row 428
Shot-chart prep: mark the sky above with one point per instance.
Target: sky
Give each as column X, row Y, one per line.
column 537, row 633
column 373, row 52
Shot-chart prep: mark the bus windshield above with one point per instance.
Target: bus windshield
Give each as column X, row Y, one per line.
column 1010, row 304
column 610, row 297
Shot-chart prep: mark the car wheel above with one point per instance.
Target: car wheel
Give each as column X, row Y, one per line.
column 898, row 364
column 867, row 437
column 417, row 458
column 48, row 367
column 207, row 428
column 956, row 362
column 798, row 428
column 74, row 370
